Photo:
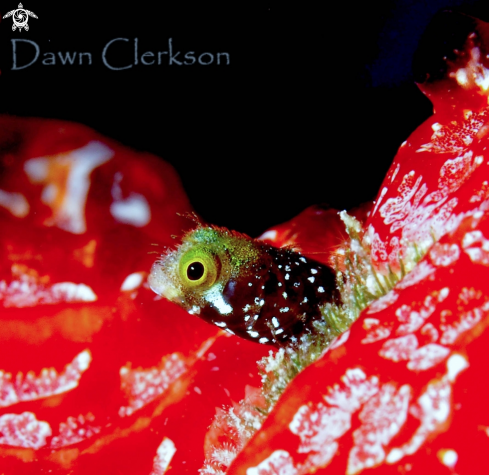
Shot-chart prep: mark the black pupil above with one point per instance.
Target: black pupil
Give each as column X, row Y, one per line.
column 195, row 271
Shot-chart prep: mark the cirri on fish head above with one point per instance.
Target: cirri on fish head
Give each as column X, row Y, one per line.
column 245, row 286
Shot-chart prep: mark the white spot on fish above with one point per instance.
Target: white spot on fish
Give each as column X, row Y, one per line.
column 263, row 340
column 311, row 279
column 284, row 309
column 220, row 324
column 314, row 271
column 275, row 322
column 284, row 294
column 253, row 334
column 321, row 289
column 287, row 276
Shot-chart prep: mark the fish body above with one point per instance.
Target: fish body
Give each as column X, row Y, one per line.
column 249, row 288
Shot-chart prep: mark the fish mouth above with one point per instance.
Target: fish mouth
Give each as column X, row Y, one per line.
column 160, row 284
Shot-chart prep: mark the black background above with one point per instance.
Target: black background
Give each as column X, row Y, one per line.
column 311, row 109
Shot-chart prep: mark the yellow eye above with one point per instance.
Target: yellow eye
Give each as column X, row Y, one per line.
column 199, row 268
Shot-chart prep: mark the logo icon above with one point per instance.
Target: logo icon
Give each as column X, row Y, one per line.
column 20, row 17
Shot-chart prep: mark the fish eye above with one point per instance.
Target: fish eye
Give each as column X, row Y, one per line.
column 199, row 268
column 195, row 270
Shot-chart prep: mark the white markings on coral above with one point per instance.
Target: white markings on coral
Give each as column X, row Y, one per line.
column 456, row 364
column 411, row 319
column 466, row 321
column 427, row 356
column 421, row 272
column 23, row 430
column 399, row 349
column 133, row 210
column 432, row 409
column 164, row 454
column 133, row 281
column 15, row 203
column 30, row 387
column 381, row 197
column 339, row 340
column 444, row 254
column 430, row 330
column 397, row 209
column 74, row 430
column 448, row 457
column 268, row 235
column 476, row 246
column 280, row 463
column 320, row 425
column 381, row 419
column 66, row 177
column 28, row 292
column 383, row 302
column 141, row 386
column 375, row 331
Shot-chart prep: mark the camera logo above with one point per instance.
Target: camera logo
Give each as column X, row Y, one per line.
column 20, row 17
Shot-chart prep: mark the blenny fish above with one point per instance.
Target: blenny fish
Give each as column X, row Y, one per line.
column 245, row 286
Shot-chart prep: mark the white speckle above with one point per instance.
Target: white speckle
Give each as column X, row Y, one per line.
column 133, row 210
column 67, row 196
column 314, row 271
column 284, row 309
column 287, row 276
column 455, row 364
column 275, row 322
column 280, row 266
column 436, row 127
column 220, row 324
column 284, row 295
column 279, row 331
column 287, row 268
column 195, row 310
column 15, row 203
column 321, row 289
column 83, row 360
column 270, row 235
column 478, row 160
column 246, row 307
column 302, row 259
column 262, row 287
column 305, row 299
column 263, row 340
column 311, row 279
column 246, row 318
column 72, row 292
column 449, row 457
column 296, row 284
column 132, row 281
column 255, row 317
column 249, row 284
column 280, row 284
column 197, row 390
column 229, row 331
column 164, row 454
column 262, row 302
column 395, row 455
column 253, row 334
column 214, row 297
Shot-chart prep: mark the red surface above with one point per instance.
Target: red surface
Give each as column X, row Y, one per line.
column 405, row 391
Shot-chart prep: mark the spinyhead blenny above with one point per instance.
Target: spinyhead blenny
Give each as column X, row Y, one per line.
column 243, row 285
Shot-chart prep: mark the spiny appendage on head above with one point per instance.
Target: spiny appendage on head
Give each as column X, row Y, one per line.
column 245, row 286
